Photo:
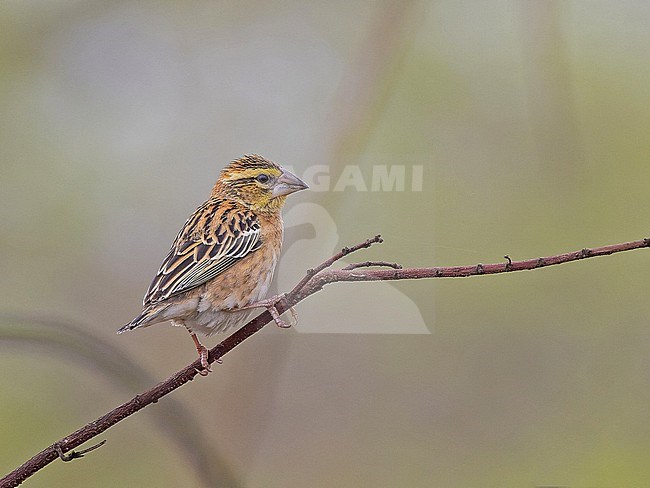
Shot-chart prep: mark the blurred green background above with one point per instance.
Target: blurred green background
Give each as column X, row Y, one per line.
column 530, row 120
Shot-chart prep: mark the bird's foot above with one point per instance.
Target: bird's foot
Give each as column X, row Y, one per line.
column 269, row 304
column 203, row 356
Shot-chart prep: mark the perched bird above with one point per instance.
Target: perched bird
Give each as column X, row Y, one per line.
column 221, row 263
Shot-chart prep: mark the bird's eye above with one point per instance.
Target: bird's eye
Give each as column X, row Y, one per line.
column 263, row 178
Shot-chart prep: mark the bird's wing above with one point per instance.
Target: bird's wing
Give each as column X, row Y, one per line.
column 215, row 237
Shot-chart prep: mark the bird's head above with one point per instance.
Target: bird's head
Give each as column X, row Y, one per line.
column 257, row 183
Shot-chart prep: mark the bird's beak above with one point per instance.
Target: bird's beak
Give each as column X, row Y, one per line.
column 287, row 183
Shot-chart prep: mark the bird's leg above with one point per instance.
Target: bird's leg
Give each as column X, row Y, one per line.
column 269, row 304
column 203, row 355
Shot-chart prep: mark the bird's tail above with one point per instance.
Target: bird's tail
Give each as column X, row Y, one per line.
column 145, row 318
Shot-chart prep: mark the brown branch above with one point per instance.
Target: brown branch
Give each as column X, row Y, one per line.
column 368, row 264
column 77, row 343
column 331, row 276
column 313, row 282
column 329, row 262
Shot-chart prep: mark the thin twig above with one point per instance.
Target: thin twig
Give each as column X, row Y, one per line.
column 313, row 282
column 333, row 276
column 329, row 262
column 368, row 264
column 69, row 456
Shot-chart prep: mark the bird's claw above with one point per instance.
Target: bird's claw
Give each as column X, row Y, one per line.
column 203, row 355
column 276, row 317
column 294, row 316
column 270, row 304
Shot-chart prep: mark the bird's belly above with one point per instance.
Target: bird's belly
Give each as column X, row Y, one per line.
column 217, row 310
column 213, row 320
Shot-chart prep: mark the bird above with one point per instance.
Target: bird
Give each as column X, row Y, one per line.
column 220, row 266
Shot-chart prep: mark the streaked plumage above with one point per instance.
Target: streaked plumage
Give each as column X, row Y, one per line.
column 223, row 258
